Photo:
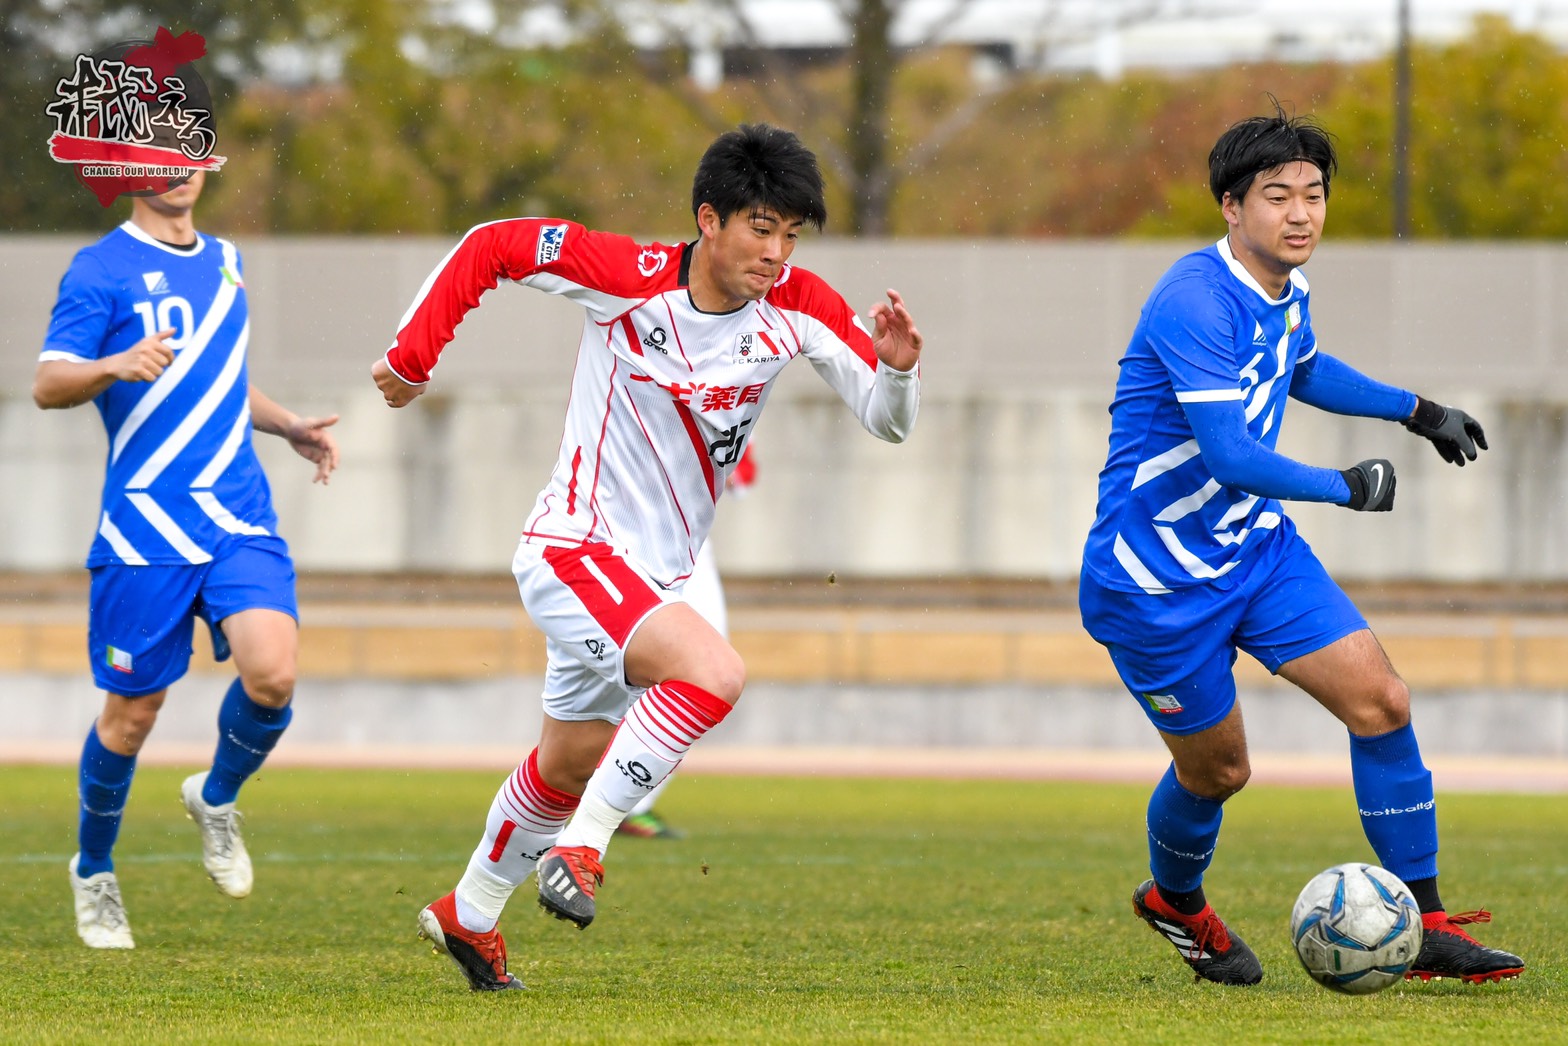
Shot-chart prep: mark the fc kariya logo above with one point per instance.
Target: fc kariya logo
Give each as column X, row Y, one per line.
column 656, row 339
column 757, row 347
column 135, row 119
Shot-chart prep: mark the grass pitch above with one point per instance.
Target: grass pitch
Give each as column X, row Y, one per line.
column 797, row 911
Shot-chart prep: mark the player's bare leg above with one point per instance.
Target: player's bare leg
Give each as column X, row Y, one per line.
column 1353, row 678
column 693, row 678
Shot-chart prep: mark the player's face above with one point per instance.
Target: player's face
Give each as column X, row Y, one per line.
column 1275, row 227
column 747, row 251
column 179, row 200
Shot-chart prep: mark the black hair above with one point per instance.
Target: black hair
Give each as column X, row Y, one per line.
column 1262, row 143
column 757, row 165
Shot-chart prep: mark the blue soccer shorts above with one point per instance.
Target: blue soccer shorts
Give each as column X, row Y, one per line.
column 1174, row 652
column 141, row 619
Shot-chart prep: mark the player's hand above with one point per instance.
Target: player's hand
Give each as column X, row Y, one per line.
column 311, row 440
column 1455, row 434
column 145, row 360
column 1371, row 486
column 398, row 392
column 894, row 337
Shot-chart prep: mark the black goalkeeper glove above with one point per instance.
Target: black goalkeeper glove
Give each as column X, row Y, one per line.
column 1455, row 434
column 1371, row 486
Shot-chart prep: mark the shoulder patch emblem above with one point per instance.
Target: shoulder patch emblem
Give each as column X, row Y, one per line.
column 551, row 239
column 650, row 261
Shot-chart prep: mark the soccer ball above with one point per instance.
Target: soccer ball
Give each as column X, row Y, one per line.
column 1356, row 928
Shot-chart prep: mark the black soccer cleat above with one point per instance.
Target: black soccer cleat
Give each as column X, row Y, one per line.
column 1204, row 942
column 481, row 956
column 1448, row 951
column 568, row 876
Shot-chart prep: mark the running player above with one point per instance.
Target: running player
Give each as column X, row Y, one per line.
column 679, row 351
column 151, row 325
column 1191, row 555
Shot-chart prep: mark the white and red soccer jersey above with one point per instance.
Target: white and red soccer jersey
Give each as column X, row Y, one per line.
column 664, row 396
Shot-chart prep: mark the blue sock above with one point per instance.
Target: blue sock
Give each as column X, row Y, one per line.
column 246, row 733
column 1394, row 795
column 1183, row 830
column 103, row 783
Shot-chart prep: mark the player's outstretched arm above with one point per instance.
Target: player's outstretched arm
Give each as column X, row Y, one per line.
column 396, row 391
column 1455, row 434
column 308, row 436
column 66, row 383
column 893, row 336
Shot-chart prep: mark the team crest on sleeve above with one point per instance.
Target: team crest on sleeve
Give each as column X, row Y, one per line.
column 757, row 347
column 551, row 239
column 650, row 262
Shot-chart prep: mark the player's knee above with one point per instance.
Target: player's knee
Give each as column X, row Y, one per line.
column 1389, row 708
column 126, row 723
column 566, row 770
column 723, row 675
column 1218, row 780
column 272, row 686
column 1230, row 778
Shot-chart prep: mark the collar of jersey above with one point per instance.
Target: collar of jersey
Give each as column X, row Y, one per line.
column 137, row 232
column 1239, row 271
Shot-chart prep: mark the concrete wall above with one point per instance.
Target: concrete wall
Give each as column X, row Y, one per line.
column 999, row 478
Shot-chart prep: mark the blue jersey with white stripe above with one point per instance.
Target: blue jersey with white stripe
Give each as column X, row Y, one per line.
column 182, row 475
column 1208, row 333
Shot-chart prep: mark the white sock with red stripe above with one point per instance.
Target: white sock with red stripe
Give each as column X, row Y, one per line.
column 647, row 747
column 526, row 815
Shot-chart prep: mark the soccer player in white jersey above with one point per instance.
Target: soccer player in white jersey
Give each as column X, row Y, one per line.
column 680, row 348
column 1192, row 557
column 151, row 326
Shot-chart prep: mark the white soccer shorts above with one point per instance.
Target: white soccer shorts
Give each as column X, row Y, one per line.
column 588, row 600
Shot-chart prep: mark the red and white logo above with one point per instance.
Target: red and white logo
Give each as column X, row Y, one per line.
column 135, row 119
column 757, row 347
column 650, row 261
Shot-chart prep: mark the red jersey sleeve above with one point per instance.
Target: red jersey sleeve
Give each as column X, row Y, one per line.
column 603, row 272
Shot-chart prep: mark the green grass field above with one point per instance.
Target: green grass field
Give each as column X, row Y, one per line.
column 797, row 911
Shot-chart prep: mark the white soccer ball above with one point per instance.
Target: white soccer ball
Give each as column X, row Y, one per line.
column 1356, row 928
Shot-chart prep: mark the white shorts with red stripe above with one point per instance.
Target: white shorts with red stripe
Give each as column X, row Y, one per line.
column 588, row 600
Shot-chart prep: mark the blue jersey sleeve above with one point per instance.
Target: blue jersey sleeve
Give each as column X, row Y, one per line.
column 1192, row 329
column 1237, row 460
column 83, row 312
column 1333, row 385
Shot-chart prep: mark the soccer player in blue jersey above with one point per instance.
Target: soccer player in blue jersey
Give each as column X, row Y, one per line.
column 1191, row 556
column 151, row 326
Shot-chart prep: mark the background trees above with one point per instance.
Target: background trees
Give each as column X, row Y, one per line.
column 382, row 116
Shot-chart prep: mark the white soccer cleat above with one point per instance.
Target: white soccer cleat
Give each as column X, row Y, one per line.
column 223, row 852
column 100, row 914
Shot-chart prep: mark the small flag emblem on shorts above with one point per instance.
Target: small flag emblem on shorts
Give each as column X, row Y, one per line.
column 119, row 660
column 1165, row 704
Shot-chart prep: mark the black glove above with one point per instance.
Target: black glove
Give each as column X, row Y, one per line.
column 1455, row 434
column 1371, row 486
